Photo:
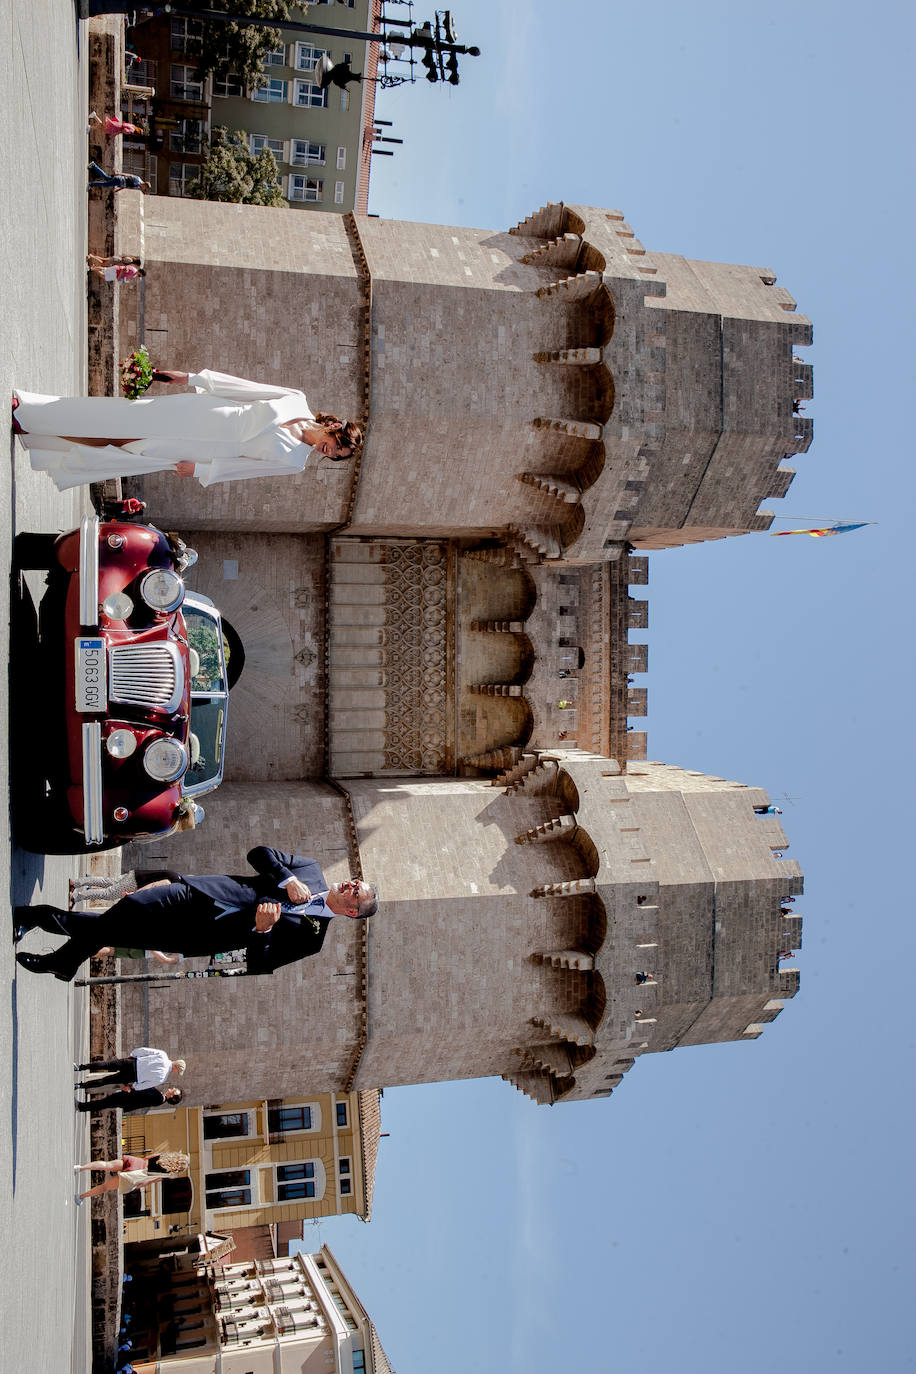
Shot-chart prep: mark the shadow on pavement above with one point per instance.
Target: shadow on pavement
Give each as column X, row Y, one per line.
column 39, row 819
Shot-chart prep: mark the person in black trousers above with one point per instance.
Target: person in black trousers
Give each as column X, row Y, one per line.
column 277, row 914
column 132, row 1100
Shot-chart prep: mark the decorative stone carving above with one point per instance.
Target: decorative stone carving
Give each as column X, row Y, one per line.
column 416, row 658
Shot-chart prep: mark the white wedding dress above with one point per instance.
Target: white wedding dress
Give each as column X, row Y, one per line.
column 227, row 427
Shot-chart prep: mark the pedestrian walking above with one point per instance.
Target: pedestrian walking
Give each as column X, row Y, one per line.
column 144, row 1067
column 111, row 125
column 133, row 1171
column 100, row 180
column 128, row 1100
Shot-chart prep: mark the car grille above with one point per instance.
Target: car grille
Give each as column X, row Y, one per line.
column 147, row 675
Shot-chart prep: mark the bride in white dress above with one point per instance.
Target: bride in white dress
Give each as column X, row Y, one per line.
column 226, row 428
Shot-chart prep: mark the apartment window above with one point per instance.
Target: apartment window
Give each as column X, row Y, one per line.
column 344, row 98
column 305, row 154
column 341, row 159
column 280, row 1119
column 359, row 1361
column 343, row 1174
column 230, row 86
column 184, row 84
column 308, row 95
column 189, row 137
column 273, row 92
column 182, row 176
column 260, row 142
column 275, row 58
column 338, row 192
column 307, row 56
column 296, row 1181
column 305, row 188
column 341, row 1110
column 185, row 31
column 225, row 1125
column 228, row 1188
column 343, row 1165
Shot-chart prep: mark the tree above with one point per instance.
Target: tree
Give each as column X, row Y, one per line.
column 225, row 49
column 232, row 172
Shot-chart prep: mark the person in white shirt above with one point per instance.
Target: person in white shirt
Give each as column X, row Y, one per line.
column 224, row 429
column 144, row 1067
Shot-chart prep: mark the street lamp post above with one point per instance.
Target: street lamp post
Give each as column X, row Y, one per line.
column 440, row 50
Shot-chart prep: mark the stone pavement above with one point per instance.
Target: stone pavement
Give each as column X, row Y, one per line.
column 44, row 1260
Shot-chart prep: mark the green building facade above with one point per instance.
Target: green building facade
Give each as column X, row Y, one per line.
column 321, row 139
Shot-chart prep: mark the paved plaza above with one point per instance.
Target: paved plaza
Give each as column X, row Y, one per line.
column 44, row 1261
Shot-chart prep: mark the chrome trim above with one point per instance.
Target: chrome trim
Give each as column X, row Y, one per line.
column 149, row 675
column 93, row 822
column 89, row 571
column 200, row 789
column 173, row 777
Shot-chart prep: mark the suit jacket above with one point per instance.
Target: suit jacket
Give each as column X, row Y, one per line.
column 196, row 924
column 293, row 937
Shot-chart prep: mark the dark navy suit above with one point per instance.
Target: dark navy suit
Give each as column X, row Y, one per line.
column 190, row 917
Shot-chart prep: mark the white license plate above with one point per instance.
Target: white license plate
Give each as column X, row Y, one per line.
column 91, row 675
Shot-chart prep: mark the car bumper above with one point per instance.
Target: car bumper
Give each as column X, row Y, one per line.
column 89, row 571
column 93, row 828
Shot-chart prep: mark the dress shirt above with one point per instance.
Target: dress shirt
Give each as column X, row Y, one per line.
column 315, row 906
column 153, row 1066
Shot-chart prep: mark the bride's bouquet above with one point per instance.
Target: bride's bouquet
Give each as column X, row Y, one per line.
column 136, row 373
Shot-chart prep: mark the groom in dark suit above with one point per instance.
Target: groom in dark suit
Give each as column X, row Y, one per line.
column 279, row 914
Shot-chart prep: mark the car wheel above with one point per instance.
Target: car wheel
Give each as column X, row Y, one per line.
column 35, row 551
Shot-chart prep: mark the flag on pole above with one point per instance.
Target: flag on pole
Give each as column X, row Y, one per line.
column 837, row 528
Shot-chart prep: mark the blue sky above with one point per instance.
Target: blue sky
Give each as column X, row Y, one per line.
column 734, row 1207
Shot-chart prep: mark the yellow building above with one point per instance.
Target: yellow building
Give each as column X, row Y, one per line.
column 298, row 1315
column 255, row 1163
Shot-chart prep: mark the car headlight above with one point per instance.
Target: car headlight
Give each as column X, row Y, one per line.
column 166, row 760
column 118, row 606
column 121, row 744
column 162, row 590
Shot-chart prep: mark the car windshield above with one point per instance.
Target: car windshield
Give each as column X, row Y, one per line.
column 206, row 740
column 208, row 650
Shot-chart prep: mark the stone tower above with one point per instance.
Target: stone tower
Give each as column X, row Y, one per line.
column 456, row 613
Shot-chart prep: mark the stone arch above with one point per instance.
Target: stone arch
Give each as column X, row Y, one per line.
column 500, row 660
column 568, row 801
column 494, row 591
column 573, row 525
column 489, row 723
column 603, row 313
column 573, row 223
column 276, row 712
column 591, row 259
column 591, row 464
column 595, row 1002
column 597, row 922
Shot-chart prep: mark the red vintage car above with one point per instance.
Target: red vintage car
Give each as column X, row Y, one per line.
column 145, row 683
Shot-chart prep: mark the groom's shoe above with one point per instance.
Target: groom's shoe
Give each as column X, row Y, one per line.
column 41, row 917
column 23, row 922
column 42, row 963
